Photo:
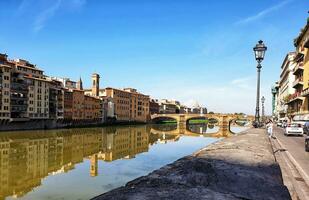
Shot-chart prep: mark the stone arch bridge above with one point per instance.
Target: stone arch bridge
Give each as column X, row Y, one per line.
column 186, row 132
column 223, row 120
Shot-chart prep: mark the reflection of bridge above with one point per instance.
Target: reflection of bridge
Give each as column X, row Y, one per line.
column 223, row 120
column 186, row 132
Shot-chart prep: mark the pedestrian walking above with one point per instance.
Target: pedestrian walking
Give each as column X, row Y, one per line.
column 269, row 128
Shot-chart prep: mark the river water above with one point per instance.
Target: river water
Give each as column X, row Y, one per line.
column 82, row 163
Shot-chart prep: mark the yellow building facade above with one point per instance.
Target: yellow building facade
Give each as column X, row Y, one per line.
column 130, row 105
column 5, row 81
column 38, row 98
column 78, row 105
column 92, row 108
column 301, row 72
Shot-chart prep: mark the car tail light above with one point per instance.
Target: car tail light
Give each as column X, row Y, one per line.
column 289, row 125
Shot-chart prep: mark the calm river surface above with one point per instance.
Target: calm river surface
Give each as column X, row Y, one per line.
column 82, row 163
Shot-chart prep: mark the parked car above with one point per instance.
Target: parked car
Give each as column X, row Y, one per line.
column 307, row 143
column 282, row 123
column 301, row 122
column 294, row 129
column 279, row 123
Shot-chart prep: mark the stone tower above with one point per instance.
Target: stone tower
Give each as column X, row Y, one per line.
column 94, row 165
column 95, row 84
column 79, row 84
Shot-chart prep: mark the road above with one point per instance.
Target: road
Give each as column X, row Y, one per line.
column 295, row 145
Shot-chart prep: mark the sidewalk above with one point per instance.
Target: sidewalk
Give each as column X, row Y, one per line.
column 239, row 167
column 292, row 158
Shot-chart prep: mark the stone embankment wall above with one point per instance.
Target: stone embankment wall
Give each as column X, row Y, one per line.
column 43, row 124
column 54, row 124
column 239, row 167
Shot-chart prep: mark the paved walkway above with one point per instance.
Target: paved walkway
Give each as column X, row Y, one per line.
column 240, row 167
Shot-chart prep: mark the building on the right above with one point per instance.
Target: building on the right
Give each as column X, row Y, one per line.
column 299, row 111
column 290, row 94
column 285, row 87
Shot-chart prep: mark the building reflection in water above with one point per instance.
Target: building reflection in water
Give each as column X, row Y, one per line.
column 28, row 157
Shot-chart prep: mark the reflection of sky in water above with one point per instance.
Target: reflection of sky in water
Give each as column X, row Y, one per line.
column 78, row 184
column 238, row 129
column 213, row 129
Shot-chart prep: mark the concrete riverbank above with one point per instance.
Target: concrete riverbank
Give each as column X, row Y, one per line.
column 239, row 167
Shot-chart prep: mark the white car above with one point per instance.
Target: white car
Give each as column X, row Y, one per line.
column 294, row 129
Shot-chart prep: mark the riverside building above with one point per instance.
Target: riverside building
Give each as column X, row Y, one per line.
column 25, row 91
column 27, row 94
column 130, row 105
column 5, row 84
column 285, row 87
column 302, row 59
column 122, row 104
column 299, row 111
column 293, row 90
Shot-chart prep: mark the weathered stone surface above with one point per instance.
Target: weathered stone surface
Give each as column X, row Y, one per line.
column 240, row 167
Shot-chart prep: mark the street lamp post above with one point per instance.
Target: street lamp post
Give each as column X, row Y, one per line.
column 259, row 51
column 263, row 110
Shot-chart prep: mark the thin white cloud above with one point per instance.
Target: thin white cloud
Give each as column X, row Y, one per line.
column 45, row 15
column 50, row 10
column 263, row 13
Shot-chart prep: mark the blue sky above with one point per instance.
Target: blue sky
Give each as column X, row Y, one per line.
column 187, row 50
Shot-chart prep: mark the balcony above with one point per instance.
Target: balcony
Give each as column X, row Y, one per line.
column 299, row 57
column 296, row 96
column 305, row 92
column 19, row 87
column 298, row 82
column 299, row 68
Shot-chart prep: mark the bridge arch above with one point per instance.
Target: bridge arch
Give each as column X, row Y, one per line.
column 195, row 117
column 204, row 116
column 158, row 118
column 241, row 121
